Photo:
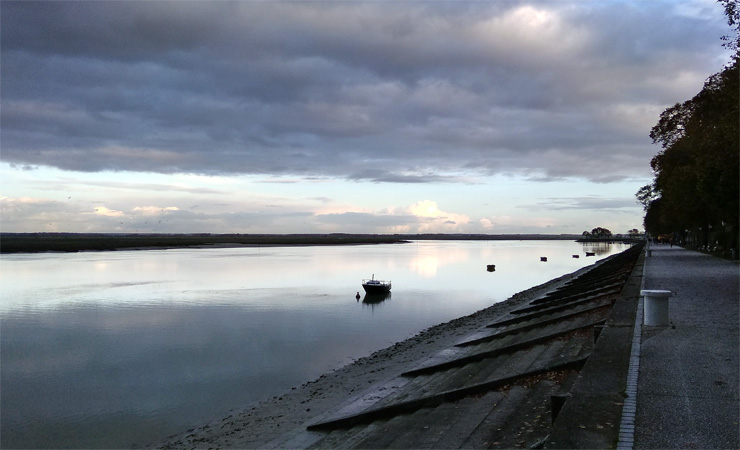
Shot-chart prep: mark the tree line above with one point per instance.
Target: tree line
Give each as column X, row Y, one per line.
column 694, row 198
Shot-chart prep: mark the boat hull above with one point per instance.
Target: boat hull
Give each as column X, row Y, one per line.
column 376, row 288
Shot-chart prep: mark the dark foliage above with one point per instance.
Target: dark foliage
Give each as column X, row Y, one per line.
column 695, row 195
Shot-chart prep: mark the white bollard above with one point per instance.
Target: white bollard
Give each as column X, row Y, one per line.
column 656, row 307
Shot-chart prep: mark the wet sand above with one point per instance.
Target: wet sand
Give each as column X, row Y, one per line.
column 259, row 425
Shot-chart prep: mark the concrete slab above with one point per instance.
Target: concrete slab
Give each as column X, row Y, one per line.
column 685, row 421
column 592, row 415
column 690, row 371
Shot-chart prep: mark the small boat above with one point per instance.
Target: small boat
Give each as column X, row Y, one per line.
column 590, row 253
column 576, row 256
column 373, row 286
column 543, row 258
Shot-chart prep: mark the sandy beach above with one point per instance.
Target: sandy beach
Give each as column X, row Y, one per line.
column 260, row 424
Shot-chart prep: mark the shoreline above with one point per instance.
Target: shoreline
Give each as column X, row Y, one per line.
column 84, row 242
column 260, row 423
column 81, row 242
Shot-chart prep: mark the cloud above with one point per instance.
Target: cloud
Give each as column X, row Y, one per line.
column 103, row 211
column 588, row 203
column 37, row 214
column 154, row 210
column 486, row 224
column 421, row 217
column 417, row 92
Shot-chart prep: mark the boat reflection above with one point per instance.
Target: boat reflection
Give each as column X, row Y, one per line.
column 375, row 298
column 597, row 248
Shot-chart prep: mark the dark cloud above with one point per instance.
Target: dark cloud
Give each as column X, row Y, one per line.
column 413, row 93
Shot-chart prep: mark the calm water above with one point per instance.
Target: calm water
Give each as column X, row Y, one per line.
column 120, row 348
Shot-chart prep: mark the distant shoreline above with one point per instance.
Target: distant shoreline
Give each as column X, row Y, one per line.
column 79, row 242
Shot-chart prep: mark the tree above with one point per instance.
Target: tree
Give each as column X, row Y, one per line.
column 695, row 194
column 696, row 172
column 646, row 195
column 696, row 191
column 601, row 233
column 733, row 20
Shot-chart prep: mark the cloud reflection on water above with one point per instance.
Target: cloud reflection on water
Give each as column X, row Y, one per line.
column 157, row 341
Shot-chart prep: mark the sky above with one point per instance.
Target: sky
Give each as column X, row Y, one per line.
column 340, row 117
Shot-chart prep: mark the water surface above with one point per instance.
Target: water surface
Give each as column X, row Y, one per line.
column 112, row 349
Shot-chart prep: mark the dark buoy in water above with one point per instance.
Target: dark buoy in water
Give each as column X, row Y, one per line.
column 543, row 258
column 358, row 296
column 491, row 267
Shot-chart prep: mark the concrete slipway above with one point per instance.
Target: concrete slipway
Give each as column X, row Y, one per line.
column 573, row 368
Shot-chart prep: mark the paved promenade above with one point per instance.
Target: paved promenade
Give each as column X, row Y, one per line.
column 687, row 387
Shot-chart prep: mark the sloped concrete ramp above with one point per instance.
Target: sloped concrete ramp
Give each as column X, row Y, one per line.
column 499, row 388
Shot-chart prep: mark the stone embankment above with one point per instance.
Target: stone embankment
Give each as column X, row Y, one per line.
column 543, row 368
